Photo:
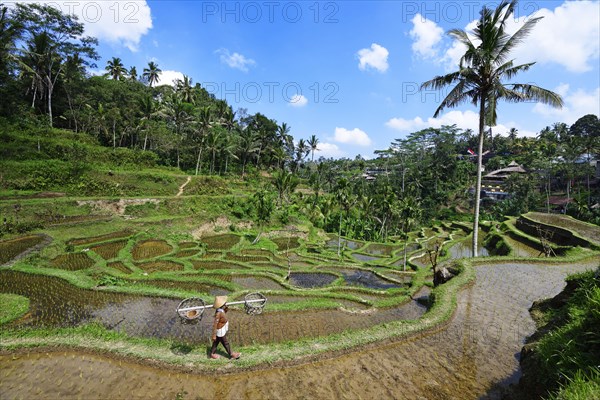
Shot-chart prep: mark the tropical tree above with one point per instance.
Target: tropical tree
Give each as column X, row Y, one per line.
column 587, row 132
column 248, row 145
column 50, row 38
column 184, row 87
column 152, row 73
column 205, row 123
column 512, row 134
column 148, row 109
column 313, row 142
column 115, row 69
column 285, row 182
column 133, row 75
column 178, row 115
column 483, row 68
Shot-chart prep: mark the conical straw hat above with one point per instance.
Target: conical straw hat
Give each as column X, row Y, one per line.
column 220, row 301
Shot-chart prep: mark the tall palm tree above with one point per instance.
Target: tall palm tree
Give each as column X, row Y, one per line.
column 148, row 109
column 512, row 134
column 115, row 69
column 205, row 123
column 248, row 146
column 313, row 142
column 482, row 71
column 133, row 75
column 152, row 73
column 184, row 87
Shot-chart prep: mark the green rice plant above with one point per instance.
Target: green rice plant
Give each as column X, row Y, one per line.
column 221, row 242
column 215, row 264
column 186, row 253
column 9, row 249
column 160, row 265
column 109, row 250
column 256, row 252
column 150, row 248
column 72, row 261
column 100, row 238
column 118, row 265
column 284, row 243
column 245, row 259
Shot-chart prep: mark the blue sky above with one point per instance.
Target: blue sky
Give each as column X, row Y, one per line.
column 347, row 71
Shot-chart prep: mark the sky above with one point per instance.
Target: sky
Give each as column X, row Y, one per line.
column 348, row 71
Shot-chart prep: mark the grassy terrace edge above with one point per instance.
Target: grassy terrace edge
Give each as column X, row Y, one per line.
column 94, row 337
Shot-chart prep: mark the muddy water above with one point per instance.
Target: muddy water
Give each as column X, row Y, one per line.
column 364, row 257
column 311, row 279
column 55, row 303
column 468, row 359
column 464, row 250
column 521, row 249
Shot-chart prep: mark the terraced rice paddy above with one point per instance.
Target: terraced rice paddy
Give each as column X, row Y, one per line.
column 150, row 249
column 72, row 261
column 110, row 250
column 221, row 242
column 10, row 249
column 160, row 265
column 311, row 280
column 323, row 295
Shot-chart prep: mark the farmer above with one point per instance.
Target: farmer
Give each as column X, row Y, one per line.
column 220, row 328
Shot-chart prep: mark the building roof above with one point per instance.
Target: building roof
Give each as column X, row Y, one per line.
column 504, row 173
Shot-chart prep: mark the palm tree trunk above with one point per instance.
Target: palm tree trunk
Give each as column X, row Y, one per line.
column 478, row 183
column 340, row 235
column 198, row 161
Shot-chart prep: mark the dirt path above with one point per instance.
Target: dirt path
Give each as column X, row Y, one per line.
column 477, row 352
column 189, row 178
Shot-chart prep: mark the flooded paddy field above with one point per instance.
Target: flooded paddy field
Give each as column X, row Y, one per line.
column 473, row 356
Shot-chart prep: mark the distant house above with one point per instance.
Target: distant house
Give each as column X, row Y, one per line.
column 493, row 184
column 559, row 203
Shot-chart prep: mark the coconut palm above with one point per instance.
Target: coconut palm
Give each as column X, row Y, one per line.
column 133, row 75
column 482, row 71
column 152, row 73
column 184, row 87
column 115, row 69
column 205, row 124
column 313, row 142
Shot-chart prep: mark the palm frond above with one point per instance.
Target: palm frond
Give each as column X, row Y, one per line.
column 517, row 38
column 526, row 92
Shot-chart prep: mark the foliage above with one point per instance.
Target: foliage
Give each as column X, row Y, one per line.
column 569, row 354
column 13, row 307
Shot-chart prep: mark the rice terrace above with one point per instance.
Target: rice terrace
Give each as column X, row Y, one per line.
column 156, row 242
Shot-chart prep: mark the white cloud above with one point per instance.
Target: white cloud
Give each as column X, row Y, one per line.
column 567, row 36
column 235, row 60
column 462, row 119
column 168, row 77
column 577, row 103
column 298, row 100
column 330, row 150
column 354, row 136
column 375, row 57
column 122, row 23
column 426, row 35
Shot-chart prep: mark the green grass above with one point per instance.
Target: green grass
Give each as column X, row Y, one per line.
column 566, row 358
column 13, row 307
column 580, row 387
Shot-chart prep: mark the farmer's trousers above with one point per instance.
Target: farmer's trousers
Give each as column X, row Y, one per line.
column 223, row 340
